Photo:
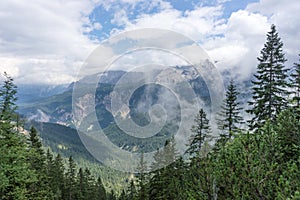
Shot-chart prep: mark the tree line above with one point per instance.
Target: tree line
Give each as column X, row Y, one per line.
column 254, row 159
column 27, row 171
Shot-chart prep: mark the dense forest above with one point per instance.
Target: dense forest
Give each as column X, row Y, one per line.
column 254, row 159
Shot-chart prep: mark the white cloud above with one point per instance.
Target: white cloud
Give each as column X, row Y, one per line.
column 51, row 37
column 243, row 37
column 197, row 24
column 9, row 65
column 245, row 34
column 236, row 47
column 48, row 31
column 285, row 15
column 120, row 18
column 234, row 42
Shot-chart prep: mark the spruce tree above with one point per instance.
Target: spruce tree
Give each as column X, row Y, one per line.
column 177, row 188
column 8, row 99
column 142, row 175
column 229, row 119
column 16, row 174
column 169, row 152
column 296, row 87
column 90, row 185
column 156, row 180
column 38, row 155
column 199, row 175
column 201, row 132
column 161, row 178
column 57, row 177
column 70, row 180
column 269, row 90
column 37, row 159
column 82, row 185
column 49, row 164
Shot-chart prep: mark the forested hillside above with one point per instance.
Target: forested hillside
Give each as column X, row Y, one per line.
column 254, row 159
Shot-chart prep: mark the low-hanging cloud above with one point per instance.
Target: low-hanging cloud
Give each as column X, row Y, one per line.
column 48, row 41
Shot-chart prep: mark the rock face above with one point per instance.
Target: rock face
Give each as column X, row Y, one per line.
column 58, row 108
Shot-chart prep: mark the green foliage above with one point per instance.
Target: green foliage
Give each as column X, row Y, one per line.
column 269, row 90
column 26, row 172
column 229, row 119
column 142, row 179
column 201, row 132
column 8, row 99
column 16, row 173
column 287, row 128
column 296, row 87
column 264, row 164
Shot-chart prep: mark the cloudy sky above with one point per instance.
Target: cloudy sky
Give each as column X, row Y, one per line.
column 48, row 41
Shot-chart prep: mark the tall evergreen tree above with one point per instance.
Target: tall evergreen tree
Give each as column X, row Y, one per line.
column 37, row 159
column 296, row 87
column 269, row 90
column 199, row 175
column 142, row 177
column 229, row 119
column 82, row 184
column 201, row 132
column 169, row 152
column 16, row 174
column 161, row 178
column 177, row 187
column 38, row 155
column 70, row 186
column 57, row 177
column 156, row 180
column 8, row 99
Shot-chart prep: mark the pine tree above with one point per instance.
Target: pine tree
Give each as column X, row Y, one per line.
column 269, row 90
column 131, row 191
column 90, row 185
column 38, row 155
column 158, row 161
column 169, row 153
column 142, row 185
column 82, row 185
column 296, row 87
column 57, row 177
column 156, row 180
column 8, row 99
column 161, row 178
column 229, row 119
column 200, row 173
column 49, row 163
column 177, row 188
column 70, row 180
column 16, row 174
column 201, row 132
column 37, row 159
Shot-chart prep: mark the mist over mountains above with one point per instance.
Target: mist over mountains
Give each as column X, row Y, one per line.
column 54, row 103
